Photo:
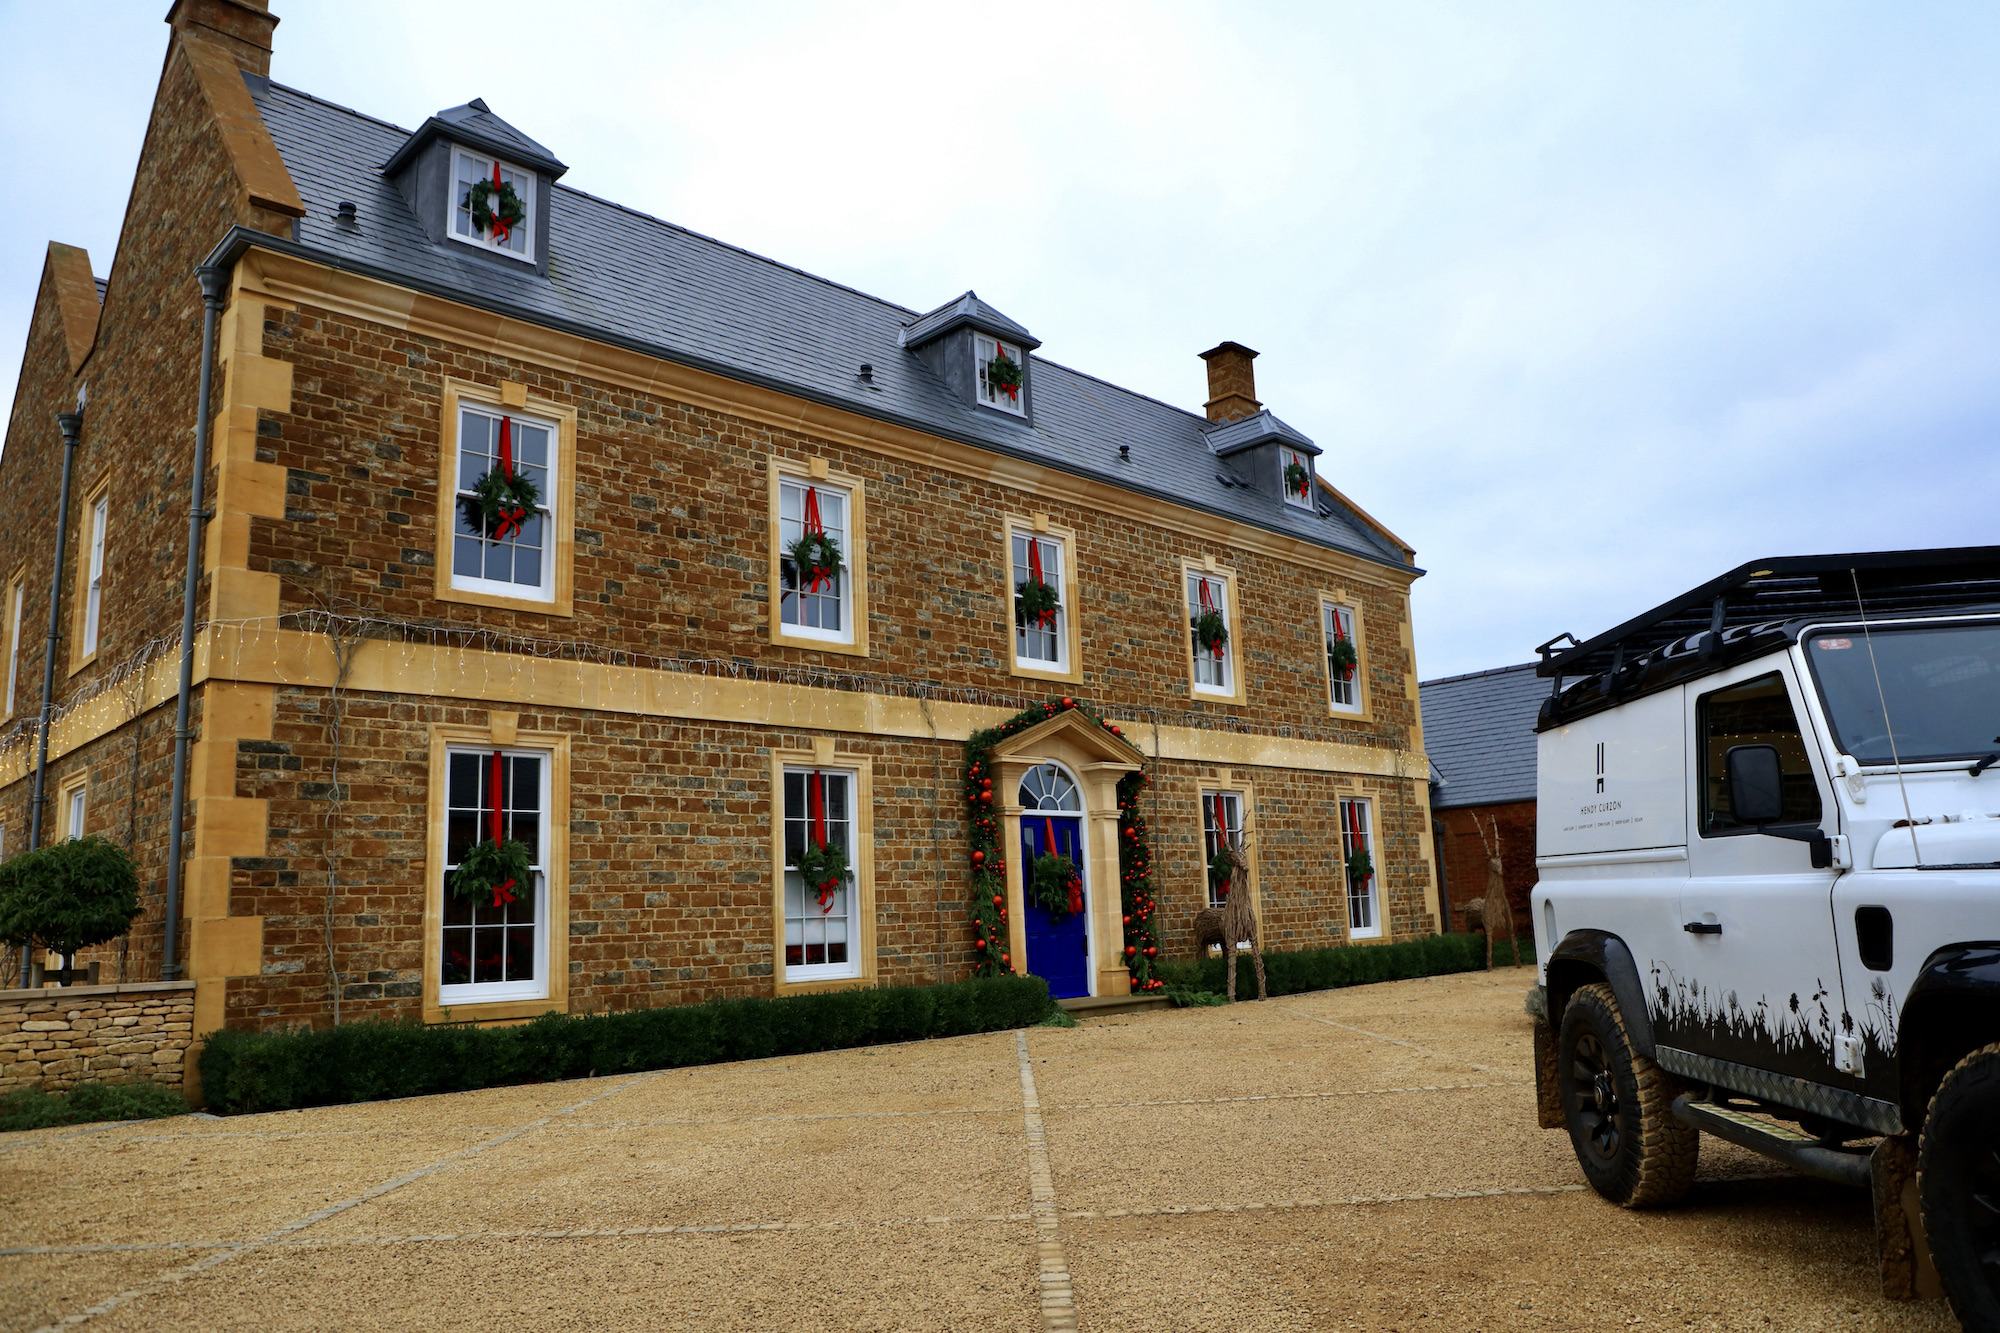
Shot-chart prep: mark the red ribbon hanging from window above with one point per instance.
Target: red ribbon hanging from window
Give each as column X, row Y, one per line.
column 501, row 231
column 510, row 521
column 1049, row 849
column 502, row 893
column 816, row 805
column 1201, row 591
column 1354, row 842
column 1221, row 841
column 1045, row 618
column 815, row 528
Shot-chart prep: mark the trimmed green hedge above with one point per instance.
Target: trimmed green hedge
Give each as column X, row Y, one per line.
column 1344, row 965
column 358, row 1062
column 31, row 1108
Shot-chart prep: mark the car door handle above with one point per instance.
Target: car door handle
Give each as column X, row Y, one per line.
column 1703, row 928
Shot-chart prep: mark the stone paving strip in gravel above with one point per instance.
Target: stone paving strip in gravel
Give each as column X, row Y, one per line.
column 1362, row 1159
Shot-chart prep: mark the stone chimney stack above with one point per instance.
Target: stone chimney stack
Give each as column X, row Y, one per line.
column 240, row 27
column 1232, row 383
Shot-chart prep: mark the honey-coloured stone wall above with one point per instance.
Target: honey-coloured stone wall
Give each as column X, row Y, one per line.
column 57, row 1037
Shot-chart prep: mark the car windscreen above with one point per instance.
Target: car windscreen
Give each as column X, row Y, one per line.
column 1941, row 684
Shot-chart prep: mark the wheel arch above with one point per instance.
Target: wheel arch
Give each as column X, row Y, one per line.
column 1951, row 1010
column 1587, row 956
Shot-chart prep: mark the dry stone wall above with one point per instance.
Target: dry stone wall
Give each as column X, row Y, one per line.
column 56, row 1037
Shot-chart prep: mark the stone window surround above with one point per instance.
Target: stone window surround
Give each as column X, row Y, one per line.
column 68, row 825
column 1363, row 708
column 1229, row 784
column 524, row 185
column 502, row 732
column 14, row 609
column 93, row 547
column 861, row 859
column 1070, row 670
column 508, row 397
column 815, row 471
column 1231, row 614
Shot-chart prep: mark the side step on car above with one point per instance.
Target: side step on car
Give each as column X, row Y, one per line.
column 1775, row 1140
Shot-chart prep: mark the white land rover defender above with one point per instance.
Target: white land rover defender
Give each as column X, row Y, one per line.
column 1769, row 906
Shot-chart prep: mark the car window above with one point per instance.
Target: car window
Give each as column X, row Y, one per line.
column 1755, row 712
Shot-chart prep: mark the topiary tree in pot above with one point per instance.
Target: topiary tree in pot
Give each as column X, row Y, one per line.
column 67, row 897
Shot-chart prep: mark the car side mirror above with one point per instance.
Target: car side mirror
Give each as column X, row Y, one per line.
column 1756, row 783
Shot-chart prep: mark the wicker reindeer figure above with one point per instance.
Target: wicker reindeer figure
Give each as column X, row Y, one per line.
column 1499, row 916
column 1232, row 923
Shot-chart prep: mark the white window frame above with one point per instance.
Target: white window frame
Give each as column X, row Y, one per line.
column 1232, row 829
column 488, row 992
column 93, row 606
column 1358, row 811
column 552, row 479
column 1058, row 578
column 1286, row 457
column 985, row 347
column 17, row 595
column 794, row 889
column 790, row 530
column 523, row 182
column 1330, row 613
column 75, row 809
column 1223, row 668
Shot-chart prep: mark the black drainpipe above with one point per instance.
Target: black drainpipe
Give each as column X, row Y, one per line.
column 72, row 430
column 214, row 282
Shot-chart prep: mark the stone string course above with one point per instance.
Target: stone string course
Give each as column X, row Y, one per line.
column 56, row 1038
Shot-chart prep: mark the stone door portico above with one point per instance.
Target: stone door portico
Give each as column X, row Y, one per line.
column 1098, row 760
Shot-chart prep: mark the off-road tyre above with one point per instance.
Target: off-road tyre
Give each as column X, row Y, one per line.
column 1958, row 1187
column 1618, row 1107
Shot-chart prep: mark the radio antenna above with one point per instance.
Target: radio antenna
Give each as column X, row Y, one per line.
column 1868, row 637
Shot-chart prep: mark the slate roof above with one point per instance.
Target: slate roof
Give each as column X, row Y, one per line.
column 1235, row 436
column 625, row 278
column 1479, row 730
column 967, row 309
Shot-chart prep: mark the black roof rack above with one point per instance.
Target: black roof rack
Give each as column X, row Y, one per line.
column 1705, row 627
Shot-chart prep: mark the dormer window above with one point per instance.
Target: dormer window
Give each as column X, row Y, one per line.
column 493, row 205
column 1002, row 373
column 1297, row 477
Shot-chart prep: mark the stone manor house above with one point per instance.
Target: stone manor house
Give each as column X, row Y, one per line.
column 632, row 675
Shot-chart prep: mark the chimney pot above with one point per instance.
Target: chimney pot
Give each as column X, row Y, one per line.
column 1232, row 383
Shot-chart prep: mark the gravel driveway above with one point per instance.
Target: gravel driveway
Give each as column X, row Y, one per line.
column 1364, row 1159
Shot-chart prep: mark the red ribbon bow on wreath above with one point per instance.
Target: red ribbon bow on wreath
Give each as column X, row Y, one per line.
column 1075, row 883
column 1012, row 391
column 816, row 528
column 501, row 231
column 1047, row 617
column 815, row 785
column 1201, row 591
column 510, row 520
column 502, row 893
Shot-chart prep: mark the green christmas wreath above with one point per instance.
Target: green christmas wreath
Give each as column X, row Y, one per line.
column 488, row 868
column 816, row 557
column 1360, row 865
column 1341, row 654
column 1003, row 372
column 1035, row 602
column 500, row 501
column 1220, row 872
column 1049, row 881
column 825, row 871
column 510, row 210
column 1297, row 479
column 1210, row 633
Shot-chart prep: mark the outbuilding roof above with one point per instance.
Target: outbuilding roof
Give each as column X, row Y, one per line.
column 1479, row 730
column 631, row 280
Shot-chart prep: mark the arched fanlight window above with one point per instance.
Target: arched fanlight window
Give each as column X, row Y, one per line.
column 1049, row 788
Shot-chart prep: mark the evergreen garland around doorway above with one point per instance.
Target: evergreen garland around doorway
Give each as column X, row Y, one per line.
column 989, row 867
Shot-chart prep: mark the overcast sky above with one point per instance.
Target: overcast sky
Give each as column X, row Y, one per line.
column 1587, row 302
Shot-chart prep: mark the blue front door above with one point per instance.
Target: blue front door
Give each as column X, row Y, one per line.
column 1058, row 947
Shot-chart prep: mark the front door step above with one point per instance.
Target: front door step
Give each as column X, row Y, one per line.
column 1101, row 1006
